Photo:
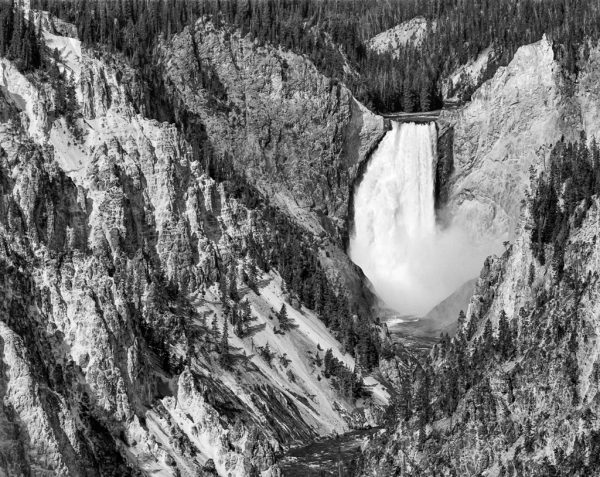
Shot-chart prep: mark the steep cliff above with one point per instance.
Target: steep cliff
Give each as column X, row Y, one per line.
column 510, row 125
column 123, row 266
column 297, row 134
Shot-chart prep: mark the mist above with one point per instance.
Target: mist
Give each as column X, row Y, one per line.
column 412, row 263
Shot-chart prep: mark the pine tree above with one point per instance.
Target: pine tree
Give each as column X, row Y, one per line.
column 461, row 319
column 405, row 398
column 471, row 328
column 531, row 276
column 265, row 353
column 408, row 101
column 328, row 363
column 488, row 336
column 223, row 286
column 425, row 97
column 252, row 277
column 225, row 358
column 225, row 338
column 357, row 384
column 233, row 289
column 70, row 101
column 422, row 399
column 504, row 335
column 285, row 322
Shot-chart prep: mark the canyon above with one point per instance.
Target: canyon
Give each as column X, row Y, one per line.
column 197, row 264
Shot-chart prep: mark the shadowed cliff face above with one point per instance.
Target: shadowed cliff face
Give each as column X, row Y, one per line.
column 297, row 135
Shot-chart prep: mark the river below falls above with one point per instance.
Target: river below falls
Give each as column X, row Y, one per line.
column 326, row 457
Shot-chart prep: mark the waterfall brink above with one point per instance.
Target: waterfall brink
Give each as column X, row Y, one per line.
column 411, row 264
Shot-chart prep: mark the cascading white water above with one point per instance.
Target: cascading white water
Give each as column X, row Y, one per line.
column 411, row 264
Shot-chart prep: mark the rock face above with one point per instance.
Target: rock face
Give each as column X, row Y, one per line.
column 112, row 244
column 467, row 78
column 411, row 32
column 298, row 135
column 510, row 125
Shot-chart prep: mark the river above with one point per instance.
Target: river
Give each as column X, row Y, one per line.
column 326, row 457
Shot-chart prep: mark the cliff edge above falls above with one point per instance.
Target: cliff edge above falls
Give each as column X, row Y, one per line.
column 510, row 125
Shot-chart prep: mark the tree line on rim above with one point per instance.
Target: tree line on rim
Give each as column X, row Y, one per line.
column 333, row 34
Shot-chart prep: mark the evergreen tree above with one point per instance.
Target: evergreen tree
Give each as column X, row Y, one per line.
column 285, row 322
column 225, row 358
column 252, row 277
column 488, row 336
column 266, row 353
column 461, row 319
column 422, row 399
column 328, row 363
column 471, row 328
column 233, row 289
column 531, row 276
column 216, row 335
column 504, row 335
column 223, row 287
column 405, row 398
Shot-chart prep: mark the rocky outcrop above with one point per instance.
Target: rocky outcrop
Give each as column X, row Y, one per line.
column 510, row 125
column 466, row 79
column 296, row 134
column 411, row 32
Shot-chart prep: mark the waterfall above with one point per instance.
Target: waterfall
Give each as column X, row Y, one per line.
column 411, row 264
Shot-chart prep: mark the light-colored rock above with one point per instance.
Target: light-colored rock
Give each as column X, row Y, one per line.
column 411, row 32
column 112, row 241
column 510, row 125
column 466, row 78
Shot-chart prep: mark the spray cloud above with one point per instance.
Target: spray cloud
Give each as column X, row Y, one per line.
column 411, row 262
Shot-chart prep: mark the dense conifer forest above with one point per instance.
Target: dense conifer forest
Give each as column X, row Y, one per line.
column 563, row 196
column 333, row 34
column 18, row 39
